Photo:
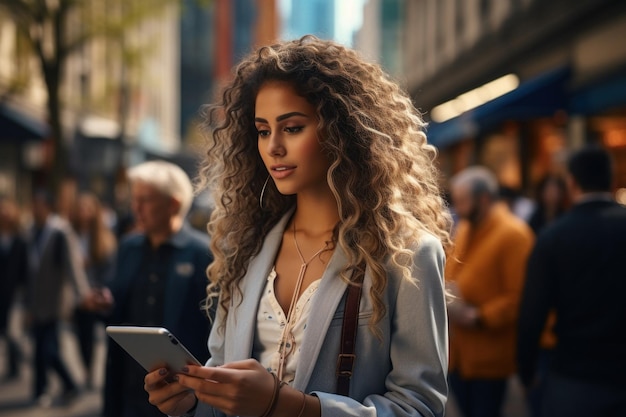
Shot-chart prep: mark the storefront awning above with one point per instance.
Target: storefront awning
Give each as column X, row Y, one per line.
column 538, row 97
column 17, row 126
column 597, row 97
column 451, row 131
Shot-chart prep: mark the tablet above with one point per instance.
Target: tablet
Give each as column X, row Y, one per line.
column 152, row 347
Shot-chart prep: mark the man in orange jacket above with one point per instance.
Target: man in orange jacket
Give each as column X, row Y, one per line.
column 485, row 275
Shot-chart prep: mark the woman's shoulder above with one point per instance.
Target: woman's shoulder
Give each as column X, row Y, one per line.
column 428, row 248
column 428, row 258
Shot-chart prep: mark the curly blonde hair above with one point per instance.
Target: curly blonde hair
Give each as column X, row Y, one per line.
column 382, row 170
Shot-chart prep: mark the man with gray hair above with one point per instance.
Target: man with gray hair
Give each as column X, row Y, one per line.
column 160, row 280
column 484, row 275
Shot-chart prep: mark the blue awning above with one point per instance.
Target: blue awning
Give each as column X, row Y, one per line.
column 538, row 97
column 16, row 125
column 451, row 131
column 607, row 93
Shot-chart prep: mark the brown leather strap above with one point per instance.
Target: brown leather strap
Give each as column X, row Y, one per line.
column 347, row 357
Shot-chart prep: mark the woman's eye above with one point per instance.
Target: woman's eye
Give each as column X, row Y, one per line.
column 263, row 133
column 294, row 129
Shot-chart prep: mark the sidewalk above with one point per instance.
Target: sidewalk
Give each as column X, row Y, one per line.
column 16, row 395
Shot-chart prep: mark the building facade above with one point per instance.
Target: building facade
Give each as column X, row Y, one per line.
column 119, row 88
column 133, row 91
column 569, row 84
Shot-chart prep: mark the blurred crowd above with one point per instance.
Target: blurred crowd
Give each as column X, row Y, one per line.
column 58, row 252
column 534, row 287
column 83, row 269
column 50, row 264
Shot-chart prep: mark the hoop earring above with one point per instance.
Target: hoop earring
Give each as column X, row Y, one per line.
column 263, row 192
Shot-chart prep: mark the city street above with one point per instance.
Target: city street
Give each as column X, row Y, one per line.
column 16, row 401
column 16, row 395
column 480, row 145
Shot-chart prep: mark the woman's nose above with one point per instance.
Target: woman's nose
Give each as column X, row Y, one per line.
column 276, row 147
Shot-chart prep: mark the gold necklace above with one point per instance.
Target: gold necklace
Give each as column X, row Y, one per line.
column 287, row 339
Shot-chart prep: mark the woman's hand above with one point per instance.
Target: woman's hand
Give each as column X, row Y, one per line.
column 243, row 388
column 167, row 394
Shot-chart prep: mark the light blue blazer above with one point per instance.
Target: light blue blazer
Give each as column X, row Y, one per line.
column 401, row 374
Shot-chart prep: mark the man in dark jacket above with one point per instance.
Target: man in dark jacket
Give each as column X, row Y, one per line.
column 577, row 269
column 160, row 281
column 54, row 268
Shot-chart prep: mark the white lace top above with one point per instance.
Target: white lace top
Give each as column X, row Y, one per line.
column 271, row 320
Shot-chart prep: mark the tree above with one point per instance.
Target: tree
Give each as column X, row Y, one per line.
column 57, row 29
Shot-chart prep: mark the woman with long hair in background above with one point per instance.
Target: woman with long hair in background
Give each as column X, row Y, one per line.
column 98, row 245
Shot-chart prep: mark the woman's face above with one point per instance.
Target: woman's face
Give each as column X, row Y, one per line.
column 8, row 215
column 152, row 209
column 552, row 194
column 86, row 210
column 288, row 141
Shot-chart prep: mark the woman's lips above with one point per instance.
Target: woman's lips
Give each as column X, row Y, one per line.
column 282, row 171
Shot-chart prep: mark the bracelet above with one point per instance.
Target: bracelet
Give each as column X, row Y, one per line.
column 303, row 405
column 273, row 401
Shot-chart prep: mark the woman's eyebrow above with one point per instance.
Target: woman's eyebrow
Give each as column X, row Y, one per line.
column 281, row 117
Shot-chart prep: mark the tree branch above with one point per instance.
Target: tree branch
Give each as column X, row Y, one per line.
column 22, row 12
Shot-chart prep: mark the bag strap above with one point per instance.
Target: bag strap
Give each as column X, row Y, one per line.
column 347, row 357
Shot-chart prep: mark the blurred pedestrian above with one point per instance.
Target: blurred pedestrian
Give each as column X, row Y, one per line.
column 321, row 175
column 56, row 276
column 13, row 274
column 577, row 269
column 98, row 245
column 552, row 201
column 160, row 280
column 124, row 219
column 485, row 274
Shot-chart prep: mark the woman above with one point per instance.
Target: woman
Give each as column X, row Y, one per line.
column 552, row 202
column 319, row 164
column 98, row 246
